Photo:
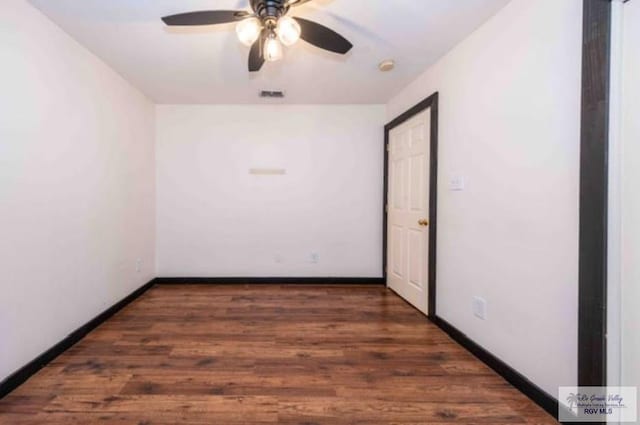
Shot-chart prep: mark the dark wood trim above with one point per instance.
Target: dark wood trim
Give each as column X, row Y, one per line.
column 592, row 306
column 412, row 112
column 515, row 378
column 21, row 375
column 385, row 200
column 430, row 102
column 433, row 204
column 270, row 281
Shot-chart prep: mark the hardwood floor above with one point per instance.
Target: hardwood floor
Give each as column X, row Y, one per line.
column 264, row 355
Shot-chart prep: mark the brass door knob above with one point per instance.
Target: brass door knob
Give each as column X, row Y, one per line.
column 423, row 222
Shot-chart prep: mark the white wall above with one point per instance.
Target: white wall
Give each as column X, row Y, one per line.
column 614, row 242
column 631, row 197
column 76, row 186
column 510, row 125
column 215, row 219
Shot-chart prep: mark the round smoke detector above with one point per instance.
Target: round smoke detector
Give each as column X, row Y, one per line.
column 386, row 66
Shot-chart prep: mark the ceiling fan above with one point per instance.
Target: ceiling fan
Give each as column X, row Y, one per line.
column 266, row 29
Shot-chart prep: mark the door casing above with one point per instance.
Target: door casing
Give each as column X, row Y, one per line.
column 429, row 103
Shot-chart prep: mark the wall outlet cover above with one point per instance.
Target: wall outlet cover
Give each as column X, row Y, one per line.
column 479, row 307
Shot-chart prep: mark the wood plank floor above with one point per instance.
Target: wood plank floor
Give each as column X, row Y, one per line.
column 264, row 355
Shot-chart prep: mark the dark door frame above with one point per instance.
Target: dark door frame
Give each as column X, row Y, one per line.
column 430, row 102
column 594, row 180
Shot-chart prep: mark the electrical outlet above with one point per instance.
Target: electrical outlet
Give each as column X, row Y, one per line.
column 479, row 307
column 138, row 265
column 315, row 258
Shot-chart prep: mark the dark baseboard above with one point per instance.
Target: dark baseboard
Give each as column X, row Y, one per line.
column 515, row 378
column 270, row 280
column 21, row 375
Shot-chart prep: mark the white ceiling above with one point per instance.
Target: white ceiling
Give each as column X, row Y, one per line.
column 209, row 65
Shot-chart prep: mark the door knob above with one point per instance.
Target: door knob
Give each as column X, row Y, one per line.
column 423, row 222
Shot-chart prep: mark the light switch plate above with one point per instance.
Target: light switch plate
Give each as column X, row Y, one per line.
column 456, row 183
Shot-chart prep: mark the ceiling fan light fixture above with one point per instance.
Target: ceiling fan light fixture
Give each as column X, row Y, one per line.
column 248, row 30
column 273, row 50
column 266, row 29
column 288, row 30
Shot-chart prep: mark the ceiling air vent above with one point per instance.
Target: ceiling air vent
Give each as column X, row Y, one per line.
column 272, row 94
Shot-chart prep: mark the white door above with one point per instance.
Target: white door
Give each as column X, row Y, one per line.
column 408, row 210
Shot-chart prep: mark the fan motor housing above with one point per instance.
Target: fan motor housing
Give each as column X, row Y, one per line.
column 266, row 9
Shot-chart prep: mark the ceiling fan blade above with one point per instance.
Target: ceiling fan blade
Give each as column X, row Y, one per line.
column 206, row 17
column 323, row 37
column 256, row 58
column 294, row 3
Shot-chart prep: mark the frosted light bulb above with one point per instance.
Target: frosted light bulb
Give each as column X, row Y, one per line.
column 288, row 31
column 249, row 30
column 272, row 49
